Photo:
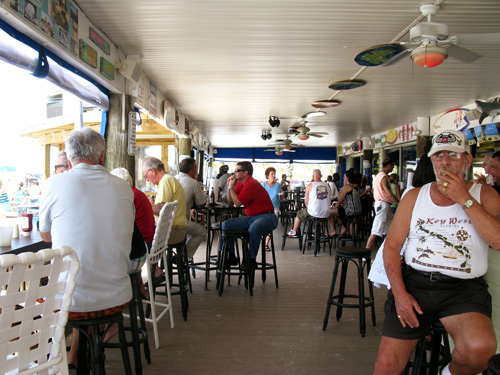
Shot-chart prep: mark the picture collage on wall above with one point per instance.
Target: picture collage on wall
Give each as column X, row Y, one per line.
column 59, row 20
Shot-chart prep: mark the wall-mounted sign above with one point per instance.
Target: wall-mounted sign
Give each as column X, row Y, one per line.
column 107, row 69
column 153, row 100
column 454, row 119
column 391, row 137
column 99, row 41
column 406, row 133
column 479, row 134
column 491, row 132
column 132, row 124
column 88, row 54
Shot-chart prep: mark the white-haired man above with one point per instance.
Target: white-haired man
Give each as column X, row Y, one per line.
column 92, row 211
column 448, row 224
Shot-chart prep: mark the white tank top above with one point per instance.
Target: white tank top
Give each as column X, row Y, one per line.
column 443, row 239
column 319, row 200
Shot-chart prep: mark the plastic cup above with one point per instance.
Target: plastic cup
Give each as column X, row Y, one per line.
column 5, row 235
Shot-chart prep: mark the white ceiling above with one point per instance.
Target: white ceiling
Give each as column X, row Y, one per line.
column 230, row 64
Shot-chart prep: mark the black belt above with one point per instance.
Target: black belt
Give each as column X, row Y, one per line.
column 435, row 276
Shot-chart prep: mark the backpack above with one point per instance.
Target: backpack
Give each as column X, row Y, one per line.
column 352, row 203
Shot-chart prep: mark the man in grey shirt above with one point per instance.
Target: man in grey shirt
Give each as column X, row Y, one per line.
column 194, row 194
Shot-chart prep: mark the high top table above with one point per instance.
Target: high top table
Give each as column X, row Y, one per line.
column 23, row 244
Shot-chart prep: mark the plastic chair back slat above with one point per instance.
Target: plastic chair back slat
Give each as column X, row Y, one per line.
column 35, row 297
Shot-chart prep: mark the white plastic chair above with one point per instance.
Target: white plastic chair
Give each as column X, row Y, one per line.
column 35, row 298
column 159, row 251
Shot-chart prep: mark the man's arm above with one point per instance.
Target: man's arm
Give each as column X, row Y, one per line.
column 157, row 208
column 46, row 236
column 406, row 305
column 386, row 186
column 484, row 216
column 306, row 197
column 232, row 197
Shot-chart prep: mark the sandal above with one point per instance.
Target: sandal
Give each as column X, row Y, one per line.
column 268, row 248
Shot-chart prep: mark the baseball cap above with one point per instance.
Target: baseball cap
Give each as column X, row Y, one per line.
column 449, row 140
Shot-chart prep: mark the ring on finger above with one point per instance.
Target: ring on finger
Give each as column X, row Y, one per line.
column 445, row 185
column 399, row 316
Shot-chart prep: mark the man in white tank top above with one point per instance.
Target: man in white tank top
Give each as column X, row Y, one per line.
column 448, row 224
column 317, row 200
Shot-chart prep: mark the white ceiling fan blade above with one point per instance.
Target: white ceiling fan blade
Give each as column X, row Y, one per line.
column 485, row 38
column 462, row 54
column 314, row 135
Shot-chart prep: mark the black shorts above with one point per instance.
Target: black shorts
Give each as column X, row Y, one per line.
column 437, row 299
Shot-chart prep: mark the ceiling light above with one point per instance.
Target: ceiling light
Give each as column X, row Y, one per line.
column 274, row 121
column 269, row 135
column 304, row 137
column 314, row 114
column 264, row 136
column 429, row 55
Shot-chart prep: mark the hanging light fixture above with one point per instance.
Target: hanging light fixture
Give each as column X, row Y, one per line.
column 429, row 55
column 274, row 121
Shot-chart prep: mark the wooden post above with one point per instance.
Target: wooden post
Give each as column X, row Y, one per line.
column 46, row 154
column 117, row 136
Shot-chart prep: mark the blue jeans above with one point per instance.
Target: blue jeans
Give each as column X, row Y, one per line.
column 257, row 226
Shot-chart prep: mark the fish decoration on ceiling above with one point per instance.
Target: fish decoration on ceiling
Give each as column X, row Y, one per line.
column 491, row 108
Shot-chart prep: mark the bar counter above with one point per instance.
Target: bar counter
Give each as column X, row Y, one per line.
column 32, row 243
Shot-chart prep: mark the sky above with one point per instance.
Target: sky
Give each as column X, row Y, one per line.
column 22, row 103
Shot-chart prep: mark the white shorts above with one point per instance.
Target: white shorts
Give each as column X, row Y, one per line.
column 383, row 218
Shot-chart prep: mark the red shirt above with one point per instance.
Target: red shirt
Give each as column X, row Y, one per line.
column 144, row 216
column 254, row 197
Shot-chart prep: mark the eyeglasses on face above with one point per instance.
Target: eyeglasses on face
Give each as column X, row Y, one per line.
column 146, row 174
column 451, row 155
column 60, row 166
column 239, row 170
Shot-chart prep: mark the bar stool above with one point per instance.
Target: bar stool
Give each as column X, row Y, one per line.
column 225, row 268
column 94, row 340
column 263, row 265
column 210, row 263
column 351, row 235
column 362, row 259
column 317, row 232
column 439, row 348
column 289, row 217
column 178, row 253
column 137, row 327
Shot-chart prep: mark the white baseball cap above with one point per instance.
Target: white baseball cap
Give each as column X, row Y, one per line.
column 449, row 140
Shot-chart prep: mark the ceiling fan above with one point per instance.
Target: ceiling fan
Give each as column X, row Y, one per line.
column 430, row 44
column 278, row 150
column 303, row 132
column 286, row 143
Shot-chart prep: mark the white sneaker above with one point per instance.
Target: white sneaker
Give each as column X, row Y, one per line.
column 292, row 233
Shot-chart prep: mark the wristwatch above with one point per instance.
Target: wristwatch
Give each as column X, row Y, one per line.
column 468, row 203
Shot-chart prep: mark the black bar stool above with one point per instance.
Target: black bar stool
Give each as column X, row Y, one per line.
column 351, row 235
column 137, row 327
column 264, row 265
column 225, row 268
column 440, row 353
column 92, row 338
column 362, row 259
column 289, row 217
column 176, row 252
column 213, row 225
column 317, row 232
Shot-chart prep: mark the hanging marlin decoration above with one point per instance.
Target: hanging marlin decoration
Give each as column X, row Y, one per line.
column 491, row 108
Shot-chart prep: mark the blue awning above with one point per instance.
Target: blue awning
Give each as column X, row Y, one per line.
column 317, row 155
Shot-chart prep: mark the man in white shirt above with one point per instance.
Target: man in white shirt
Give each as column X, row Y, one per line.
column 92, row 211
column 194, row 194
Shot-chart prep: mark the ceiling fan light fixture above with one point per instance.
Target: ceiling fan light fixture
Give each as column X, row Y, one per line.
column 304, row 137
column 313, row 114
column 429, row 56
